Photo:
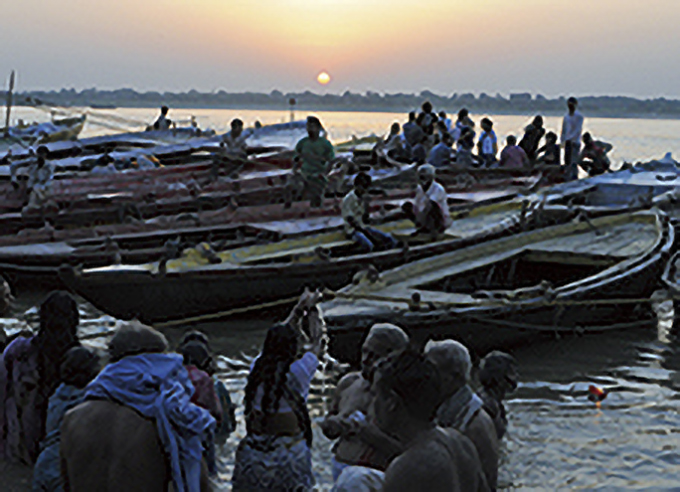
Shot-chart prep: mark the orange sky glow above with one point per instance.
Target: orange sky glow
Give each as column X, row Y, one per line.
column 582, row 46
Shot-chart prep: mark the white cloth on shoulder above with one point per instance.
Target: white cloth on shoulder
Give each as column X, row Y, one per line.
column 359, row 479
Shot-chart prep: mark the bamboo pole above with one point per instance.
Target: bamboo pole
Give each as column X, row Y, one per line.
column 9, row 103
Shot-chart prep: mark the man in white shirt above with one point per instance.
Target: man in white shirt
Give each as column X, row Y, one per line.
column 355, row 215
column 572, row 127
column 235, row 141
column 430, row 212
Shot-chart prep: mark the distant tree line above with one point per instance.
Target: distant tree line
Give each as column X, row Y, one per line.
column 520, row 103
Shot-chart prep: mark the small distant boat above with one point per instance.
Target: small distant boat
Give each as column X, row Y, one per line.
column 103, row 106
column 573, row 278
column 259, row 274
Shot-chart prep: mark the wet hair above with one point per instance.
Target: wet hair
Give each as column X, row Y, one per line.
column 195, row 353
column 486, row 121
column 572, row 100
column 463, row 113
column 512, row 140
column 313, row 120
column 59, row 320
column 412, row 116
column 236, row 122
column 164, row 109
column 415, row 380
column 363, row 180
column 79, row 366
column 134, row 338
column 427, row 106
column 498, row 370
column 552, row 136
column 271, row 372
column 538, row 120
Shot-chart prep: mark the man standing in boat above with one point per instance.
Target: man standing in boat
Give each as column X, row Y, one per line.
column 572, row 126
column 312, row 157
column 355, row 214
column 430, row 212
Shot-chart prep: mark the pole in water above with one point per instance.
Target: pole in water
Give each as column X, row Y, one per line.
column 292, row 103
column 9, row 103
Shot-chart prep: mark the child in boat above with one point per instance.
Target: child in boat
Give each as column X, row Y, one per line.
column 550, row 152
column 487, row 147
column 593, row 158
column 355, row 214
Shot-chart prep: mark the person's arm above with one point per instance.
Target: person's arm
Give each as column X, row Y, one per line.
column 495, row 147
column 372, row 435
column 333, row 426
column 606, row 147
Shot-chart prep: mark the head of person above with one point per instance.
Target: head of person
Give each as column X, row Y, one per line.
column 412, row 116
column 447, row 139
column 79, row 366
column 442, row 115
column 362, row 182
column 463, row 115
column 42, row 151
column 382, row 339
column 487, row 124
column 135, row 338
column 587, row 138
column 406, row 390
column 511, row 140
column 59, row 318
column 572, row 103
column 420, row 120
column 498, row 373
column 195, row 353
column 395, row 128
column 236, row 127
column 313, row 127
column 164, row 110
column 538, row 121
column 426, row 107
column 453, row 362
column 426, row 174
column 551, row 137
column 194, row 336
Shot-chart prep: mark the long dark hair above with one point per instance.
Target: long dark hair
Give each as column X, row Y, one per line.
column 271, row 371
column 59, row 320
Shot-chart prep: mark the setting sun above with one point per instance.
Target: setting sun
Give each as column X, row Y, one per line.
column 323, row 78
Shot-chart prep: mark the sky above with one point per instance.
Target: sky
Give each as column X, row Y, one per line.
column 551, row 47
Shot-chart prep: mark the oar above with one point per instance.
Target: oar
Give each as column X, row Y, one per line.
column 9, row 103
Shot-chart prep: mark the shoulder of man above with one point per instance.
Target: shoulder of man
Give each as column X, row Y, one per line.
column 348, row 380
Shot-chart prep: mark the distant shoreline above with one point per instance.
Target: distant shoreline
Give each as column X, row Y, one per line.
column 309, row 109
column 521, row 104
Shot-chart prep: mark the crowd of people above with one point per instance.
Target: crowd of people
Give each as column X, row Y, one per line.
column 430, row 137
column 141, row 416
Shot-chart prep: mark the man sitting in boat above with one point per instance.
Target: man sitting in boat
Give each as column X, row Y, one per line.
column 313, row 155
column 40, row 175
column 355, row 215
column 550, row 152
column 235, row 141
column 593, row 158
column 513, row 156
column 346, row 419
column 395, row 144
column 442, row 153
column 162, row 123
column 430, row 212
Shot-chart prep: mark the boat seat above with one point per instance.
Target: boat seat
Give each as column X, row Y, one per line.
column 305, row 250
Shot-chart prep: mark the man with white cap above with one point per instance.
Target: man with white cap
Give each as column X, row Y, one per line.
column 430, row 211
column 461, row 409
column 346, row 419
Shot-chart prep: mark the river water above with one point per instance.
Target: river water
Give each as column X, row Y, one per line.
column 557, row 439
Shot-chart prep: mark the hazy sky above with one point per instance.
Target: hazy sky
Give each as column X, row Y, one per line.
column 553, row 47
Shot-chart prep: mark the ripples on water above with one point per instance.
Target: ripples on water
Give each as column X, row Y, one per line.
column 557, row 438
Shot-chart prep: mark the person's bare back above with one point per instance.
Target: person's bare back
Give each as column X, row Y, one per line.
column 439, row 460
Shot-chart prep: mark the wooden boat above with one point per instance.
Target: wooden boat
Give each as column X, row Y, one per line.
column 572, row 278
column 253, row 275
column 43, row 133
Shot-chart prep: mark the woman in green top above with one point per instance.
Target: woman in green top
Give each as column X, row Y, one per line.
column 313, row 153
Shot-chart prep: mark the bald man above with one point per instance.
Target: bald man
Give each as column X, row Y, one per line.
column 360, row 442
column 461, row 409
